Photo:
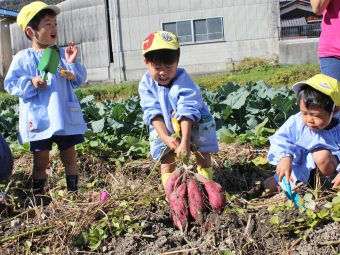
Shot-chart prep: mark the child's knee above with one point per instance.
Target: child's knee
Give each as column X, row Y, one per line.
column 325, row 161
column 271, row 184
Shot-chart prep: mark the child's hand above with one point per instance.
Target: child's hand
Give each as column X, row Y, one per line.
column 71, row 53
column 284, row 168
column 336, row 181
column 39, row 83
column 183, row 148
column 171, row 142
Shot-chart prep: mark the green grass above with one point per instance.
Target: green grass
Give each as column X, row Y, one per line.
column 109, row 90
column 276, row 76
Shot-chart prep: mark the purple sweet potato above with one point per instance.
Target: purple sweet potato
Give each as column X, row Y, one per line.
column 172, row 182
column 196, row 204
column 178, row 206
column 215, row 195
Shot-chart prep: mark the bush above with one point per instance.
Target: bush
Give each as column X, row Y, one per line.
column 295, row 74
column 259, row 64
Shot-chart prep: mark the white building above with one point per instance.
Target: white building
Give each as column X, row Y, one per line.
column 214, row 34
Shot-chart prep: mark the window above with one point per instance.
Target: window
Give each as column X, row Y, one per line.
column 196, row 31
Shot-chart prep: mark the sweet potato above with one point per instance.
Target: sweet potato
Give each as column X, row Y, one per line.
column 172, row 182
column 195, row 198
column 215, row 195
column 178, row 206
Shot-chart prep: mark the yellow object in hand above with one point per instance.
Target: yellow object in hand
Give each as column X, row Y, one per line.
column 175, row 126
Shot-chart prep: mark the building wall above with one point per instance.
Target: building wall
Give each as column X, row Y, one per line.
column 250, row 30
column 5, row 46
column 109, row 34
column 299, row 51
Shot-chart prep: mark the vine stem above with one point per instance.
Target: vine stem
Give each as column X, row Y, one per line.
column 3, row 240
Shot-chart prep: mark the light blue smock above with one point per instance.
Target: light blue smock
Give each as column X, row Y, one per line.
column 54, row 110
column 181, row 99
column 296, row 140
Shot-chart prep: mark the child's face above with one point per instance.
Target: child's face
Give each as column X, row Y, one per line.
column 161, row 73
column 46, row 34
column 314, row 118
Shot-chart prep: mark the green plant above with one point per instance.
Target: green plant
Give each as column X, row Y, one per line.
column 310, row 215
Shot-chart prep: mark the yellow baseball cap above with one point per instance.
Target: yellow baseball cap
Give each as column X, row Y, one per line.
column 160, row 40
column 28, row 12
column 323, row 83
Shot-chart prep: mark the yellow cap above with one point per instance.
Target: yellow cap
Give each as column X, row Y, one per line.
column 323, row 83
column 159, row 41
column 28, row 12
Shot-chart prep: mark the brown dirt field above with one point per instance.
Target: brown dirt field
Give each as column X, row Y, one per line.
column 136, row 218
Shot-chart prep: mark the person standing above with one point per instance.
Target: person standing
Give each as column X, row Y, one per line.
column 49, row 111
column 329, row 43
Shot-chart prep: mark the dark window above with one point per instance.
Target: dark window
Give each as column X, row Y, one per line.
column 196, row 31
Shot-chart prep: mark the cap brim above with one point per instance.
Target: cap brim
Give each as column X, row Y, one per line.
column 297, row 86
column 54, row 8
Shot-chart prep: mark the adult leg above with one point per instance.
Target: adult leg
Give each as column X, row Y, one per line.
column 330, row 66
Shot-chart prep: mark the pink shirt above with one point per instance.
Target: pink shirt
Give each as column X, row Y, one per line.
column 329, row 43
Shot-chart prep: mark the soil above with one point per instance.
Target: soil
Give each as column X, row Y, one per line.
column 243, row 228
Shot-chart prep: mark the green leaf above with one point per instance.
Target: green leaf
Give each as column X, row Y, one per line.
column 308, row 197
column 323, row 213
column 258, row 161
column 275, row 220
column 226, row 136
column 310, row 214
column 299, row 220
column 310, row 204
column 336, row 200
column 236, row 99
column 271, row 208
column 98, row 126
column 127, row 218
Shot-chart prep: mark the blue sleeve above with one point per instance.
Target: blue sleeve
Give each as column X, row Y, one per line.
column 148, row 101
column 190, row 100
column 18, row 81
column 282, row 142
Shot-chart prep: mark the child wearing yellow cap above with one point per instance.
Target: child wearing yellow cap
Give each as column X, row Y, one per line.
column 309, row 139
column 169, row 96
column 49, row 111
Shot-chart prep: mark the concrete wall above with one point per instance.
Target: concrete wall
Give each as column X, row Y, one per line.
column 5, row 47
column 298, row 51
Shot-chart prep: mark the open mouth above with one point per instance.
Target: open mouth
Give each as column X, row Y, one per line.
column 163, row 80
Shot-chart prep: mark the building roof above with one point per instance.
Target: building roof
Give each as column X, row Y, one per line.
column 8, row 13
column 296, row 5
column 293, row 22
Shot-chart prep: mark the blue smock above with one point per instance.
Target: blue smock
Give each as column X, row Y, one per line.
column 54, row 110
column 180, row 99
column 296, row 140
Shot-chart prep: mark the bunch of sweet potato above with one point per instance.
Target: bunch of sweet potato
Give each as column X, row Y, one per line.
column 192, row 193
